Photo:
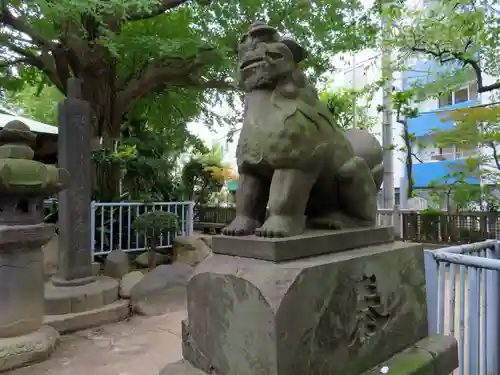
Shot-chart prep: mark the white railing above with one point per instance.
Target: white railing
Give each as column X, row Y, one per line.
column 111, row 224
column 388, row 217
column 462, row 301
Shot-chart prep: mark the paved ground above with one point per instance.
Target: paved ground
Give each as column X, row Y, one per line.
column 139, row 346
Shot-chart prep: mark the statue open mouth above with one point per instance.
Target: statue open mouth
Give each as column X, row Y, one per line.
column 251, row 63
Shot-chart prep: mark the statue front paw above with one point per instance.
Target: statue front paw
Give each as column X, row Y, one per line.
column 281, row 226
column 241, row 226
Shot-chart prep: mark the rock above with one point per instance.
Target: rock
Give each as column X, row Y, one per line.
column 128, row 281
column 142, row 259
column 116, row 264
column 51, row 256
column 190, row 250
column 96, row 268
column 161, row 290
column 207, row 240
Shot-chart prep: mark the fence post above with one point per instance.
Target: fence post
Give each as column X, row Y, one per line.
column 431, row 288
column 396, row 221
column 493, row 316
column 92, row 229
column 190, row 219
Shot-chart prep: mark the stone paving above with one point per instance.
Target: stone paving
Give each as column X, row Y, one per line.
column 139, row 346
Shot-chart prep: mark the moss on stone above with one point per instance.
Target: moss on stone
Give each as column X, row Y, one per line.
column 412, row 361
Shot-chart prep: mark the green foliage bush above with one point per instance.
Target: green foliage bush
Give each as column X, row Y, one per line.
column 156, row 222
column 152, row 225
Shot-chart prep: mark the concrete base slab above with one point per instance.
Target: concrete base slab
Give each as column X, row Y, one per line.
column 66, row 323
column 23, row 350
column 181, row 367
column 310, row 243
column 72, row 299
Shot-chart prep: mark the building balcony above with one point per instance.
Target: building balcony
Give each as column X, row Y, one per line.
column 424, row 174
column 427, row 122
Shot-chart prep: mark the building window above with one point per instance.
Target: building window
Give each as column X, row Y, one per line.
column 459, row 96
column 454, row 152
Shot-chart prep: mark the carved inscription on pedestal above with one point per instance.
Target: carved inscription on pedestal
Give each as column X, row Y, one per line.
column 371, row 315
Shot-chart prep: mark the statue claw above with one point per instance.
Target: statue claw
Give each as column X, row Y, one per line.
column 241, row 226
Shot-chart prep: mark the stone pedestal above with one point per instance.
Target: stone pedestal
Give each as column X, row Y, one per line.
column 74, row 298
column 23, row 337
column 23, row 183
column 338, row 313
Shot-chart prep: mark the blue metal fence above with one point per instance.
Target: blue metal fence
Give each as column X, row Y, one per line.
column 463, row 287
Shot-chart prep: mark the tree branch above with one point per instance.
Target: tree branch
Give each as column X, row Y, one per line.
column 46, row 46
column 38, row 61
column 495, row 154
column 416, row 157
column 7, row 18
column 167, row 72
column 20, row 60
column 441, row 57
column 162, row 7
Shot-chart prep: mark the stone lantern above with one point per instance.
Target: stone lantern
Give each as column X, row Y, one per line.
column 23, row 185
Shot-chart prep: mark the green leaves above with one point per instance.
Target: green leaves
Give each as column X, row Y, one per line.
column 462, row 36
column 36, row 102
column 341, row 104
column 155, row 222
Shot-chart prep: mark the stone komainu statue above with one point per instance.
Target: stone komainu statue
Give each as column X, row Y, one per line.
column 291, row 155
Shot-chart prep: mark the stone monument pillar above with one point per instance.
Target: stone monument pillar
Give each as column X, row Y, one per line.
column 23, row 184
column 74, row 152
column 74, row 299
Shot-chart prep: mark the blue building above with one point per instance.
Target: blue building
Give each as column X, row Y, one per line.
column 433, row 163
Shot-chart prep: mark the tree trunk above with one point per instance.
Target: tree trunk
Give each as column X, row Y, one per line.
column 152, row 253
column 99, row 90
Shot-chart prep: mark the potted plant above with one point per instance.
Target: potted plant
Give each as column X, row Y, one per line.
column 152, row 225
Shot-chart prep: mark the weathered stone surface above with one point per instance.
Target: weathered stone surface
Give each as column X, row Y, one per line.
column 21, row 278
column 12, row 237
column 435, row 355
column 51, row 256
column 96, row 268
column 23, row 184
column 75, row 299
column 312, row 242
column 128, row 281
column 301, row 164
column 26, row 349
column 208, row 241
column 66, row 323
column 181, row 367
column 143, row 259
column 116, row 264
column 74, row 203
column 23, row 181
column 336, row 314
column 161, row 289
column 444, row 351
column 190, row 250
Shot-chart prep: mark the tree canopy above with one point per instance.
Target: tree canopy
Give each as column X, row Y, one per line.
column 461, row 37
column 349, row 108
column 454, row 33
column 35, row 104
column 125, row 51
